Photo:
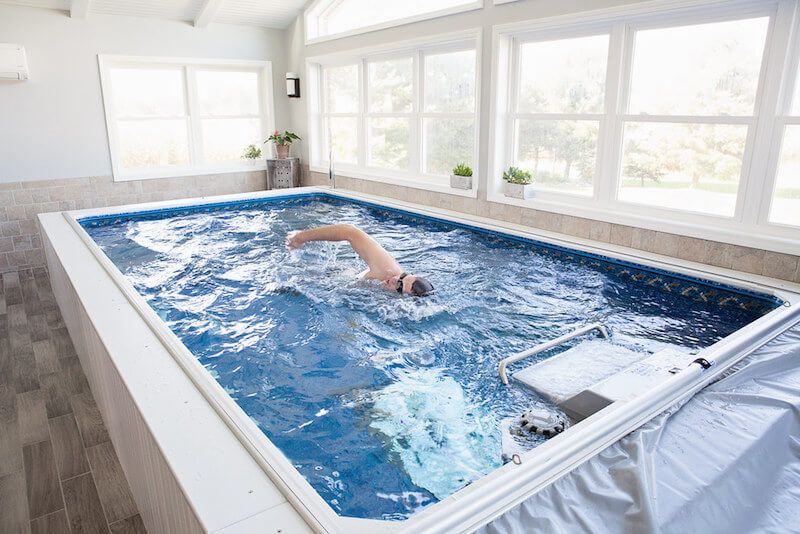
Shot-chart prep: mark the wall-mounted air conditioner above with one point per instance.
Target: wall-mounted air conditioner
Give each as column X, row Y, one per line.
column 13, row 64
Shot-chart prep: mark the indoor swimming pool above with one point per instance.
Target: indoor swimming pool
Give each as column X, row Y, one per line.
column 384, row 403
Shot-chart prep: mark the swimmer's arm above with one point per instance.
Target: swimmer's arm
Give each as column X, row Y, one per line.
column 373, row 254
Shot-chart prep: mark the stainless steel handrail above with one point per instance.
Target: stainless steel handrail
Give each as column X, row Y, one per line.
column 547, row 345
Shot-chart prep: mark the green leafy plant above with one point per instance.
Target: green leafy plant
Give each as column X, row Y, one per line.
column 515, row 175
column 285, row 138
column 251, row 152
column 462, row 169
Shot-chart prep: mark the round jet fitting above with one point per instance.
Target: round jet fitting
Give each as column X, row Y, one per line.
column 544, row 422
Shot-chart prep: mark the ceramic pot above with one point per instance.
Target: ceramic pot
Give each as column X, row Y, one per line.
column 522, row 191
column 460, row 182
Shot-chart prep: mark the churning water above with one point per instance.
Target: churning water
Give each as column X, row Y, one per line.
column 385, row 404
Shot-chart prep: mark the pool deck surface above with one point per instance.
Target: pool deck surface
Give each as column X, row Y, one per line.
column 58, row 469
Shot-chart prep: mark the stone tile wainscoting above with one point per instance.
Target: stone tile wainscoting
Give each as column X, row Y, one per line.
column 745, row 259
column 20, row 202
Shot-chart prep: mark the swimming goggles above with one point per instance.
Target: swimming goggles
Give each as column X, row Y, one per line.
column 399, row 284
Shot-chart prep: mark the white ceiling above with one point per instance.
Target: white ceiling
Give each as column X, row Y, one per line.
column 264, row 13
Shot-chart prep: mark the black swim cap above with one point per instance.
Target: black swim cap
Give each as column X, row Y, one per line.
column 421, row 287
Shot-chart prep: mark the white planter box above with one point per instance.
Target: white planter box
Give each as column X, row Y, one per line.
column 518, row 190
column 460, row 182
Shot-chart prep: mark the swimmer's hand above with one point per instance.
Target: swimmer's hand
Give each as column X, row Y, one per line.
column 293, row 240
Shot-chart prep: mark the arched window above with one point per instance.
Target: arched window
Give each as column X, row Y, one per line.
column 326, row 18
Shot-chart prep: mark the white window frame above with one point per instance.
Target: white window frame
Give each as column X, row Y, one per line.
column 312, row 13
column 514, row 115
column 417, row 49
column 747, row 227
column 783, row 118
column 189, row 66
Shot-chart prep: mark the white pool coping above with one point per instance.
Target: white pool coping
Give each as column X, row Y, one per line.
column 297, row 502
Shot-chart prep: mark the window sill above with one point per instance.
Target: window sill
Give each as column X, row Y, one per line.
column 419, row 183
column 753, row 237
column 183, row 172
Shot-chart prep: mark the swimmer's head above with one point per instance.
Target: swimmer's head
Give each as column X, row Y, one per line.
column 409, row 284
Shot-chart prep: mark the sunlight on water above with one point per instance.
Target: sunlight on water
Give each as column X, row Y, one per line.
column 385, row 404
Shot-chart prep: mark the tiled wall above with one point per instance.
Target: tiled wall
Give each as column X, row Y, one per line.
column 749, row 260
column 20, row 202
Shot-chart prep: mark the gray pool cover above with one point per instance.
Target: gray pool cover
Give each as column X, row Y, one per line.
column 727, row 461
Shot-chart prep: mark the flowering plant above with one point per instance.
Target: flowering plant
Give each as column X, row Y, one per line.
column 285, row 138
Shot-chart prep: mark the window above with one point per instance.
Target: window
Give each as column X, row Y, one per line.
column 692, row 98
column 659, row 119
column 342, row 125
column 407, row 116
column 326, row 18
column 390, row 104
column 448, row 119
column 560, row 104
column 168, row 118
column 785, row 199
column 151, row 117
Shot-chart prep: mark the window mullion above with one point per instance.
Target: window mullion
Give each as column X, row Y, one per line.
column 415, row 126
column 513, row 105
column 363, row 133
column 618, row 81
column 195, row 136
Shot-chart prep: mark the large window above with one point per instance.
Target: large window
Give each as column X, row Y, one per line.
column 331, row 18
column 785, row 198
column 407, row 116
column 560, row 104
column 169, row 118
column 692, row 99
column 661, row 119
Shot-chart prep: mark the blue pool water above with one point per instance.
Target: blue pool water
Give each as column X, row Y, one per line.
column 387, row 404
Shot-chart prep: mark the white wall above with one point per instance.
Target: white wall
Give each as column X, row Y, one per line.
column 483, row 18
column 53, row 125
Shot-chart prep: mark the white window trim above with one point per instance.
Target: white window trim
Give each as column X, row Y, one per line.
column 416, row 48
column 775, row 123
column 601, row 118
column 748, row 226
column 266, row 108
column 309, row 15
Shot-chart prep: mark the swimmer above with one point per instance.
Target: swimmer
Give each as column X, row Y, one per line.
column 382, row 265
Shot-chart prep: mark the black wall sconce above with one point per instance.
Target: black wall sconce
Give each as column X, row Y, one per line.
column 292, row 85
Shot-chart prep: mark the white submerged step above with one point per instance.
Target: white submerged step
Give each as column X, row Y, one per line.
column 593, row 374
column 566, row 374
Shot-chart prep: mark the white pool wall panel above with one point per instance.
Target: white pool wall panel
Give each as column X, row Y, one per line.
column 186, row 470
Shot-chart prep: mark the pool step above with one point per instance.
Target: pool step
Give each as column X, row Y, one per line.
column 574, row 370
column 590, row 376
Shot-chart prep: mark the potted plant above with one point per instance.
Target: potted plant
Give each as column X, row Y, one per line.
column 252, row 152
column 283, row 142
column 518, row 183
column 461, row 177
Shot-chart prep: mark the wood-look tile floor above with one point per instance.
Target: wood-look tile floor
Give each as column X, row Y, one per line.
column 58, row 470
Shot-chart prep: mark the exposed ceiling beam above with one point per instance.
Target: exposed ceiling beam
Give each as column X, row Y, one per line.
column 79, row 9
column 207, row 13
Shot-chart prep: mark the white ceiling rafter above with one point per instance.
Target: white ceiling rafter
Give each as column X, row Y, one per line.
column 207, row 13
column 261, row 13
column 79, row 9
